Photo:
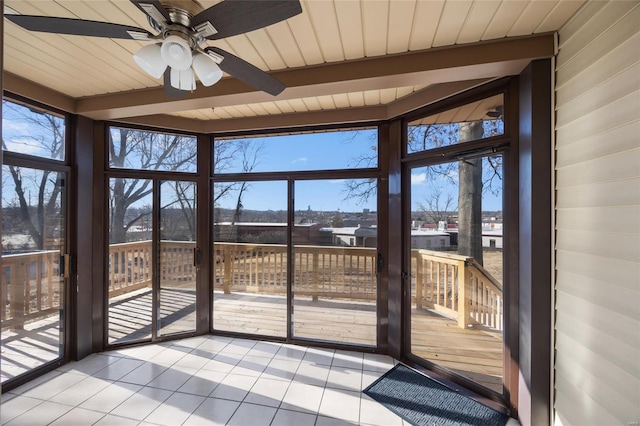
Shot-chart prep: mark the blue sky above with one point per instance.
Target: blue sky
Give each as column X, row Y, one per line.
column 315, row 151
column 325, row 151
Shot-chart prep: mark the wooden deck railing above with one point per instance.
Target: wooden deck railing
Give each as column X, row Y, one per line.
column 453, row 285
column 129, row 267
column 320, row 271
column 31, row 287
column 456, row 286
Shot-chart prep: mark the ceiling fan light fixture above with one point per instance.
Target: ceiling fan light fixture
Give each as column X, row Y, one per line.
column 150, row 60
column 183, row 79
column 176, row 53
column 206, row 69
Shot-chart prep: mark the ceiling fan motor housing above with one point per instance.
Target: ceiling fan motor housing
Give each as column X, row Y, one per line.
column 176, row 52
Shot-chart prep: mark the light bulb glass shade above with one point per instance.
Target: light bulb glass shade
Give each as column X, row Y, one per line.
column 183, row 79
column 176, row 52
column 150, row 60
column 206, row 69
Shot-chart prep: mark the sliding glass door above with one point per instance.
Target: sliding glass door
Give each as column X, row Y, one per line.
column 153, row 259
column 334, row 265
column 35, row 263
column 454, row 240
column 456, row 272
column 35, row 268
column 178, row 258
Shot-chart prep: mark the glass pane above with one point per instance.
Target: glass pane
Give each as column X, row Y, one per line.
column 335, row 249
column 130, row 263
column 250, row 257
column 306, row 151
column 177, row 310
column 145, row 150
column 457, row 125
column 30, row 131
column 32, row 290
column 456, row 267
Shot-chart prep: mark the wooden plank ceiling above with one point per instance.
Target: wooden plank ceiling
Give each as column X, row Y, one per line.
column 91, row 70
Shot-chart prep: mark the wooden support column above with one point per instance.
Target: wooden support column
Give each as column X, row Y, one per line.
column 535, row 266
column 88, row 313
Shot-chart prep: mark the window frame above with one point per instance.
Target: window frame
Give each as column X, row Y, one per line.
column 10, row 158
column 290, row 177
column 506, row 144
column 175, row 174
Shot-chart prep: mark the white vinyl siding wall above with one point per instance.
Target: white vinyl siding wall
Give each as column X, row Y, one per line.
column 597, row 324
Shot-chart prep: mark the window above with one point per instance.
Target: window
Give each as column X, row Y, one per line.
column 457, row 125
column 327, row 244
column 305, row 151
column 31, row 131
column 33, row 285
column 147, row 150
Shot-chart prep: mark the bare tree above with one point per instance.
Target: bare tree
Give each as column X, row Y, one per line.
column 46, row 137
column 438, row 207
column 137, row 149
column 249, row 154
column 470, row 176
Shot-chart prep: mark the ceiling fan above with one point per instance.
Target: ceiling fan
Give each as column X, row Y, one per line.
column 183, row 26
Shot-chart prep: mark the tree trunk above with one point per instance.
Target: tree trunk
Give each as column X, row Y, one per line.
column 470, row 197
column 236, row 215
column 118, row 210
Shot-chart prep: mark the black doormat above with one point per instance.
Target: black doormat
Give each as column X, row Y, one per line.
column 423, row 401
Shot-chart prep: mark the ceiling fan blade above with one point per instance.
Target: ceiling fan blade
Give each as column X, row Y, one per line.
column 48, row 24
column 154, row 9
column 169, row 90
column 232, row 17
column 244, row 71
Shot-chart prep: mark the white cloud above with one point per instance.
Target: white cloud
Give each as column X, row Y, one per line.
column 24, row 145
column 418, row 179
column 336, row 181
column 300, row 160
column 14, row 126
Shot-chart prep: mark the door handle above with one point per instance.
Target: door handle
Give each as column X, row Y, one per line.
column 65, row 265
column 197, row 256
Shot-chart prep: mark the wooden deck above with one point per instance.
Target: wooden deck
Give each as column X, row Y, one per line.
column 474, row 352
column 23, row 350
column 327, row 320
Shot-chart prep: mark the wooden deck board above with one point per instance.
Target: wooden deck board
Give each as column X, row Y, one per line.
column 473, row 353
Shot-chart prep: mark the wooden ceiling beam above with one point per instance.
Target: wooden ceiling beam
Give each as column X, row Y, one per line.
column 453, row 66
column 433, row 66
column 365, row 114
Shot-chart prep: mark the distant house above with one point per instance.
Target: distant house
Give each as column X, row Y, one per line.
column 430, row 239
column 266, row 233
column 352, row 236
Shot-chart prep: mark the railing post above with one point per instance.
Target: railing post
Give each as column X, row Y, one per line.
column 19, row 284
column 464, row 293
column 227, row 270
column 315, row 276
column 419, row 283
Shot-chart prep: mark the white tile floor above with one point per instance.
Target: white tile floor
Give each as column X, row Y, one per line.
column 208, row 380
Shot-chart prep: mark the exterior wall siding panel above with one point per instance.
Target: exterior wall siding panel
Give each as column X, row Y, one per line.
column 597, row 242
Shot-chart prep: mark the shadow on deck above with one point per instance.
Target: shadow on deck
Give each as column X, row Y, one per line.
column 475, row 353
